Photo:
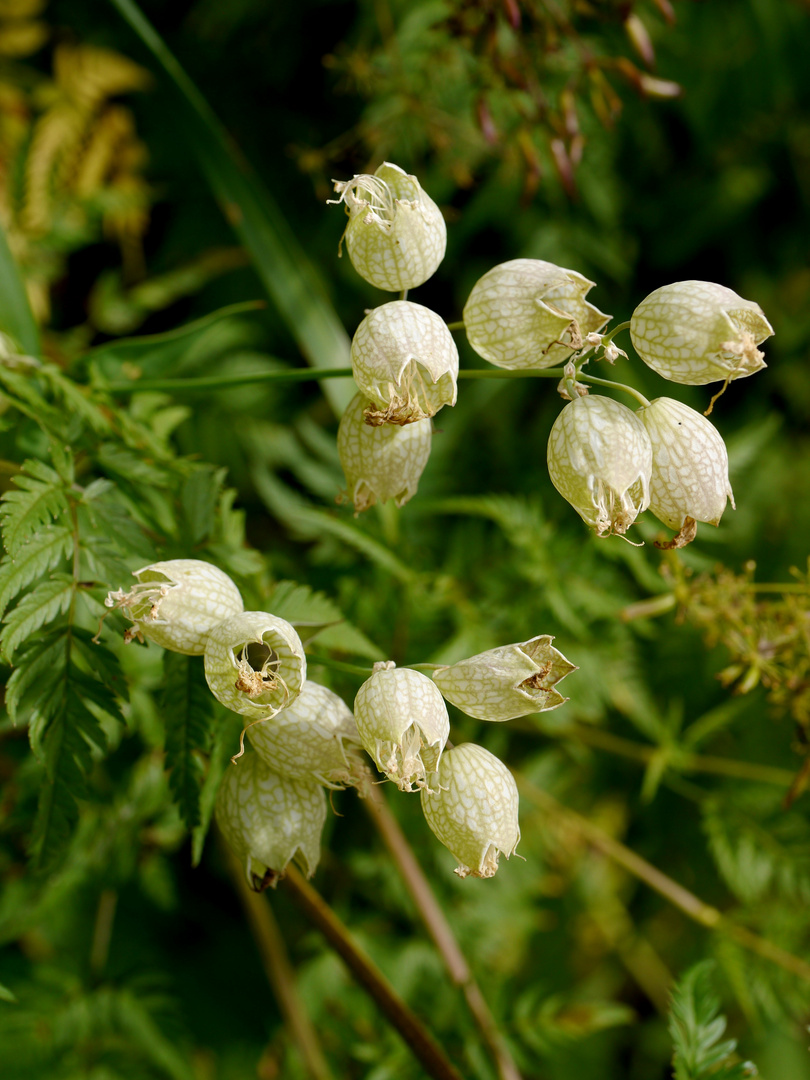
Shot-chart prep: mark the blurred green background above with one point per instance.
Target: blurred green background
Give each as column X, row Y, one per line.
column 710, row 181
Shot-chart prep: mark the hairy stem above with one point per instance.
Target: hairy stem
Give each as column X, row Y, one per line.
column 665, row 886
column 276, row 963
column 439, row 929
column 416, row 1036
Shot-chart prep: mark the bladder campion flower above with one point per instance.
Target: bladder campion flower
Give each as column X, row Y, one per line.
column 268, row 820
column 383, row 462
column 396, row 236
column 600, row 460
column 697, row 332
column 504, row 683
column 689, row 480
column 314, row 738
column 473, row 809
column 405, row 361
column 255, row 664
column 403, row 722
column 527, row 313
column 177, row 603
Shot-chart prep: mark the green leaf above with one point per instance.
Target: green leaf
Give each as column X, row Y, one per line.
column 290, row 278
column 6, row 994
column 16, row 318
column 40, row 499
column 199, row 497
column 314, row 614
column 696, row 1030
column 43, row 552
column 187, row 706
column 42, row 605
column 224, row 744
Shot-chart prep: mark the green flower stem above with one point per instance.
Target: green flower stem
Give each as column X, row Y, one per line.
column 665, row 886
column 339, row 665
column 456, row 325
column 611, row 334
column 415, row 1035
column 438, row 926
column 614, row 386
column 276, row 962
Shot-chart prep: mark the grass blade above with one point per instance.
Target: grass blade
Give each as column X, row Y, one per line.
column 16, row 318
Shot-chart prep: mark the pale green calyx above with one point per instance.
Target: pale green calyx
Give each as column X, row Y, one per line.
column 527, row 313
column 600, row 460
column 314, row 738
column 396, row 236
column 697, row 332
column 405, row 361
column 403, row 722
column 504, row 683
column 177, row 603
column 255, row 664
column 269, row 820
column 689, row 480
column 474, row 809
column 382, row 462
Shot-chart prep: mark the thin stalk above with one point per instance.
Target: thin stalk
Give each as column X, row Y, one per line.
column 439, row 929
column 681, row 759
column 665, row 886
column 340, row 665
column 415, row 1035
column 614, row 386
column 280, row 974
column 611, row 334
column 456, row 325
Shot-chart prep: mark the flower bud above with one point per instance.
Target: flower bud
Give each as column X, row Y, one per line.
column 405, row 360
column 474, row 809
column 403, row 722
column 504, row 683
column 268, row 820
column 600, row 459
column 255, row 664
column 314, row 738
column 384, row 462
column 696, row 332
column 527, row 313
column 177, row 603
column 396, row 235
column 689, row 464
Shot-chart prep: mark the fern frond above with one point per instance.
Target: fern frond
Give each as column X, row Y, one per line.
column 39, row 499
column 38, row 607
column 188, row 708
column 41, row 554
column 314, row 614
column 696, row 1030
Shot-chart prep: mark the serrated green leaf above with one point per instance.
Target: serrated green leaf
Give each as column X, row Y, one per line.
column 696, row 1029
column 42, row 605
column 42, row 553
column 187, row 706
column 38, row 500
column 315, row 615
column 33, row 683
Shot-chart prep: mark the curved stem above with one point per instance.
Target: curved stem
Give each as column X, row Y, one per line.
column 614, row 386
column 611, row 334
column 415, row 1035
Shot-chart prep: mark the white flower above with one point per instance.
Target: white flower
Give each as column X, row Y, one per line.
column 697, row 332
column 600, row 460
column 474, row 809
column 268, row 820
column 177, row 603
column 314, row 738
column 527, row 313
column 689, row 477
column 405, row 360
column 403, row 722
column 255, row 664
column 383, row 462
column 507, row 682
column 396, row 236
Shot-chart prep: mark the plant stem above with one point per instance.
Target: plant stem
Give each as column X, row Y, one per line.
column 614, row 386
column 339, row 665
column 611, row 334
column 456, row 325
column 681, row 759
column 415, row 1035
column 280, row 974
column 439, row 929
column 665, row 886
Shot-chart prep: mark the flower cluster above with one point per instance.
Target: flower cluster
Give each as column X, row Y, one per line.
column 527, row 315
column 271, row 806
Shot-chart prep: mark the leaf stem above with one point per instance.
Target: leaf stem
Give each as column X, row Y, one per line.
column 439, row 929
column 665, row 886
column 415, row 1035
